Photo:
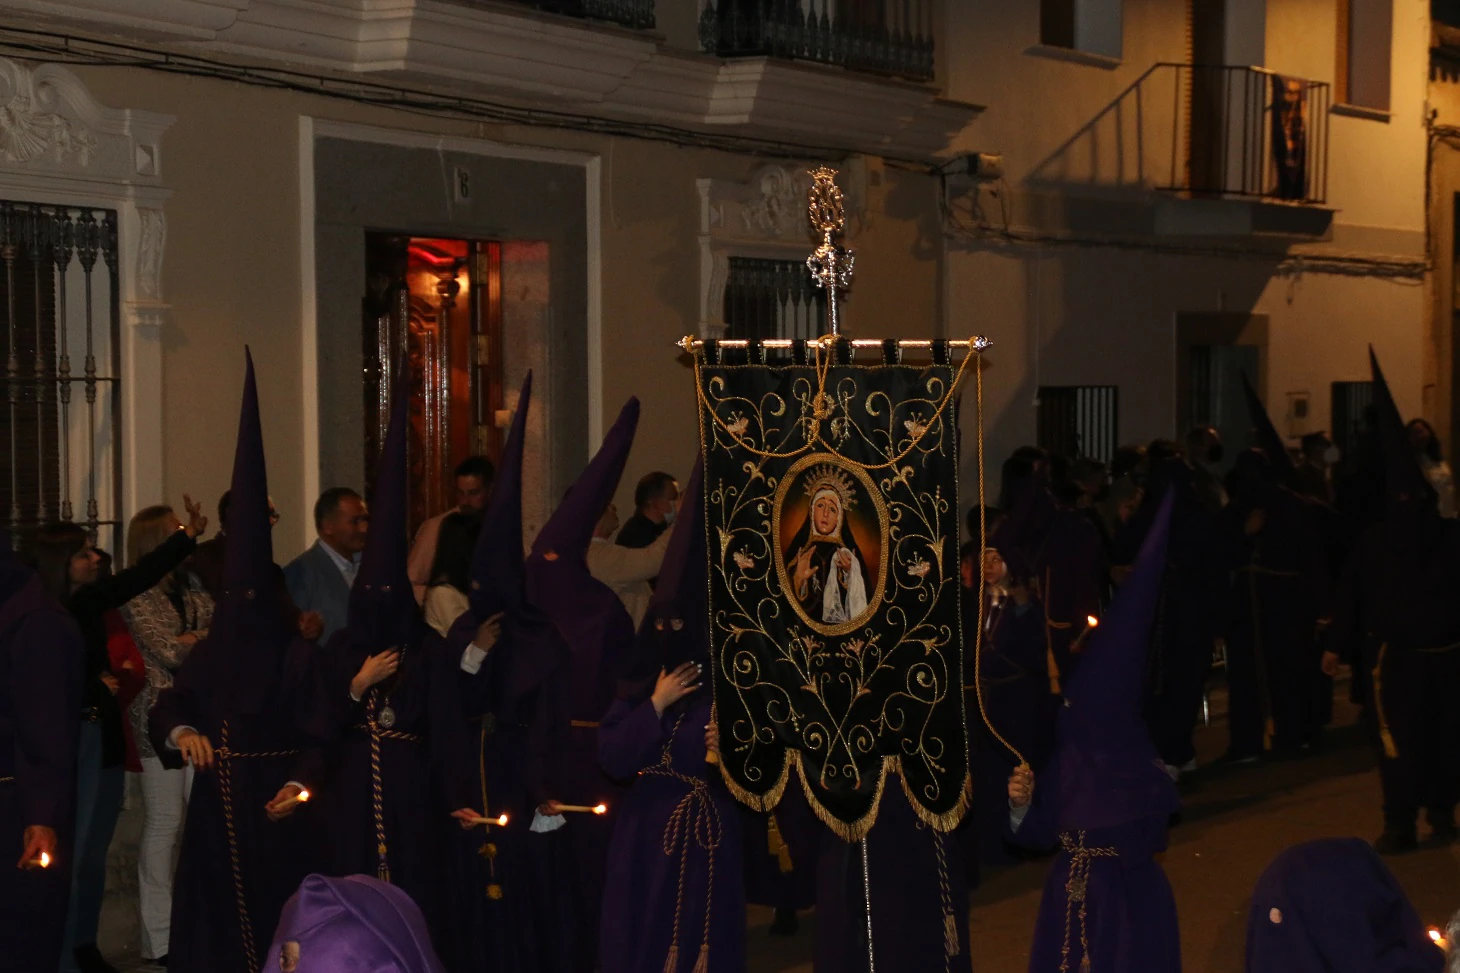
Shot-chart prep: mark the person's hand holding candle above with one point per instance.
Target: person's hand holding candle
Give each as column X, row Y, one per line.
column 40, row 847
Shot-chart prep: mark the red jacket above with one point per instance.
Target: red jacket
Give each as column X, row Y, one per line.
column 131, row 672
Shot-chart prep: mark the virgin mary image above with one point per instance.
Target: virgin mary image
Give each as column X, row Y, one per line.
column 825, row 568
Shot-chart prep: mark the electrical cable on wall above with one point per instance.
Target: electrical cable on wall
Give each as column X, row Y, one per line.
column 69, row 49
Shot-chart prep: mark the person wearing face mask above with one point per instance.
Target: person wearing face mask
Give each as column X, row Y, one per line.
column 1204, row 452
column 656, row 498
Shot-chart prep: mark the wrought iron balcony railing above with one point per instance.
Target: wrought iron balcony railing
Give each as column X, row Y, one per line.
column 637, row 14
column 889, row 37
column 1248, row 132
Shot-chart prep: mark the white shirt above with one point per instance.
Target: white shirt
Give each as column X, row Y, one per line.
column 349, row 567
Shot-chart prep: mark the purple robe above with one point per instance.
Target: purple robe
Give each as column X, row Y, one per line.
column 919, row 896
column 40, row 695
column 1331, row 906
column 236, row 868
column 422, row 764
column 1017, row 701
column 1122, row 905
column 1278, row 578
column 674, row 861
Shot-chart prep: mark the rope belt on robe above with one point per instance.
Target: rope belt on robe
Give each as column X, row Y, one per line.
column 1391, row 749
column 695, row 818
column 1076, row 886
column 377, row 784
column 224, row 757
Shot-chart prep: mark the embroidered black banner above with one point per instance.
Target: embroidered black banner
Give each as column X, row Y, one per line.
column 831, row 502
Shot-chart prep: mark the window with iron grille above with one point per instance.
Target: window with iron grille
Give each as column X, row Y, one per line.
column 1352, row 413
column 772, row 299
column 59, row 392
column 1079, row 420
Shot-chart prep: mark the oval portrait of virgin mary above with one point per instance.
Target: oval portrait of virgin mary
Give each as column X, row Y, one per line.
column 829, row 523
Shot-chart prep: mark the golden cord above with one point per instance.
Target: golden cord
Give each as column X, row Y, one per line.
column 824, row 347
column 983, row 540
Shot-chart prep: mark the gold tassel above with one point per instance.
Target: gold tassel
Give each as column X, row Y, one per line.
column 1085, row 964
column 950, row 934
column 494, row 892
column 383, row 873
column 671, row 962
column 702, row 965
column 777, row 844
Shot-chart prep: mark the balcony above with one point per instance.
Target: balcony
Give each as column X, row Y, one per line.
column 1247, row 133
column 1199, row 151
column 893, row 38
column 634, row 14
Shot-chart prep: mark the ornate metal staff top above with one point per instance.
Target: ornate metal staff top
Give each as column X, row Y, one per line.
column 829, row 264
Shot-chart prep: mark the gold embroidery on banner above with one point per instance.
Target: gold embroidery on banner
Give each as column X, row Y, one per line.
column 833, row 664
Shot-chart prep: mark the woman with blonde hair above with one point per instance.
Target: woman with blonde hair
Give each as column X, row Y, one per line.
column 165, row 621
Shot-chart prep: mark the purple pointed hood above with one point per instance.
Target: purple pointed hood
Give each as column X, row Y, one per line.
column 248, row 637
column 355, row 924
column 497, row 563
column 676, row 628
column 1109, row 772
column 570, row 528
column 586, row 612
column 383, row 609
column 1333, row 906
column 1268, row 439
column 1404, row 482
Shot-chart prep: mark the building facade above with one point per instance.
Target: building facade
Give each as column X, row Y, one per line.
column 1138, row 200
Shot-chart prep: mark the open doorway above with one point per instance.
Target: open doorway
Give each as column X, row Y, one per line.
column 432, row 317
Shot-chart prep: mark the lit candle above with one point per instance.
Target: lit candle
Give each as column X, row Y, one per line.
column 44, row 861
column 582, row 809
column 1091, row 623
column 1438, row 938
column 500, row 821
column 301, row 798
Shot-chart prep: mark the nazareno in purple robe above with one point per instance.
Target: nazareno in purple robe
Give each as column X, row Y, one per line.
column 261, row 695
column 676, row 895
column 1278, row 585
column 508, row 882
column 1332, row 906
column 1017, row 702
column 399, row 765
column 40, row 694
column 596, row 629
column 354, row 924
column 1106, row 799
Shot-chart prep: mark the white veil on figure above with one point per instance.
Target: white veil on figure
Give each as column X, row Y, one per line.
column 835, row 611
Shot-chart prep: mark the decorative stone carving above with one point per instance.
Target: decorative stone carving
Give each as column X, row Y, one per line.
column 50, row 123
column 153, row 238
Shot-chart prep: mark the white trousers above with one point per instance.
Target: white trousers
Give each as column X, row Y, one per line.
column 164, row 808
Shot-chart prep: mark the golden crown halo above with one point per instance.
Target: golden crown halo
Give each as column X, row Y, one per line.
column 828, row 477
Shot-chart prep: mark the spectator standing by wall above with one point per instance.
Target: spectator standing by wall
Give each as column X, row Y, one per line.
column 166, row 621
column 319, row 580
column 69, row 568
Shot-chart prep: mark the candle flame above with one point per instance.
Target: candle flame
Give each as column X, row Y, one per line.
column 303, row 796
column 45, row 860
column 601, row 809
column 1435, row 935
column 502, row 821
column 1092, row 621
